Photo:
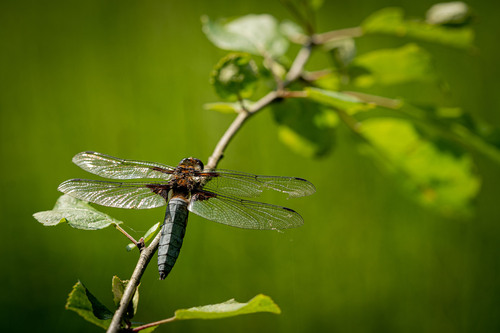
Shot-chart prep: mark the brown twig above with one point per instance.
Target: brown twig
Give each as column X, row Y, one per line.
column 337, row 35
column 316, row 75
column 156, row 323
column 377, row 100
column 298, row 64
column 120, row 229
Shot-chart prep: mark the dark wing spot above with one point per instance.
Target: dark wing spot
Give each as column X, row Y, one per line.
column 161, row 190
column 208, row 174
column 204, row 195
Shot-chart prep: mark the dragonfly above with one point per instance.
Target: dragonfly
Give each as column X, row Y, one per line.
column 218, row 195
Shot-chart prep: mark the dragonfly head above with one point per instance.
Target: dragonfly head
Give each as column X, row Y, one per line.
column 191, row 163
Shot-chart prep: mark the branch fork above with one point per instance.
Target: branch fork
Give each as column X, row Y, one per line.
column 246, row 112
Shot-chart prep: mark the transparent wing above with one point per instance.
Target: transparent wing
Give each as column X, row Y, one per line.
column 250, row 186
column 243, row 213
column 117, row 168
column 138, row 195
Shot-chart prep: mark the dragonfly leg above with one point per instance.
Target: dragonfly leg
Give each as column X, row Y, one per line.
column 140, row 244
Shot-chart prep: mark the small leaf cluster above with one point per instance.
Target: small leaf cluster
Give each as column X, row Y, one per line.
column 234, row 77
column 83, row 302
column 81, row 215
column 77, row 213
column 423, row 144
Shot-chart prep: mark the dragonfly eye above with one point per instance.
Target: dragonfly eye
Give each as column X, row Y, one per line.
column 193, row 163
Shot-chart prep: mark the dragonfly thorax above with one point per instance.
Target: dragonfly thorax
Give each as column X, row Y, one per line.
column 185, row 176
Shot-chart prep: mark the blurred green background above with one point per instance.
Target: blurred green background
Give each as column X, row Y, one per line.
column 129, row 78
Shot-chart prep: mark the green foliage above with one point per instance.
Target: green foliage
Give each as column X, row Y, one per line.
column 234, row 77
column 338, row 100
column 429, row 171
column 391, row 21
column 437, row 177
column 293, row 31
column 83, row 302
column 118, row 287
column 88, row 306
column 230, row 308
column 255, row 34
column 424, row 151
column 77, row 213
column 223, row 107
column 342, row 51
column 306, row 127
column 393, row 66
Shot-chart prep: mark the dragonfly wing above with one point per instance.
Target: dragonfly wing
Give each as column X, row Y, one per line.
column 251, row 186
column 243, row 213
column 116, row 168
column 120, row 195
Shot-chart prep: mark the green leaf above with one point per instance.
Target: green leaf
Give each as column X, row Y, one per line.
column 223, row 107
column 118, row 287
column 147, row 236
column 437, row 177
column 326, row 81
column 235, row 76
column 255, row 34
column 441, row 122
column 230, row 308
column 88, row 306
column 474, row 133
column 390, row 21
column 77, row 213
column 394, row 66
column 293, row 31
column 306, row 127
column 485, row 139
column 338, row 100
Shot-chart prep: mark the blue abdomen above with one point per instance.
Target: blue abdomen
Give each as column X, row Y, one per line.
column 172, row 234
